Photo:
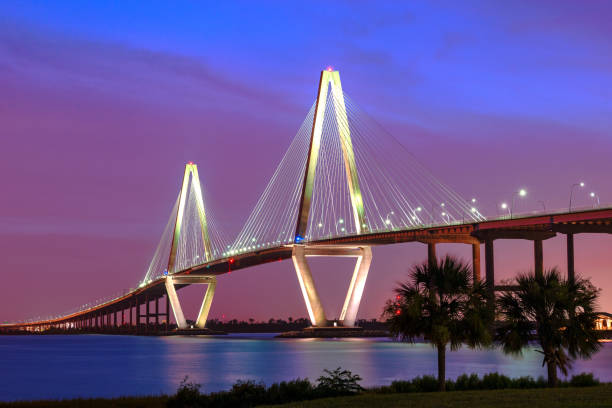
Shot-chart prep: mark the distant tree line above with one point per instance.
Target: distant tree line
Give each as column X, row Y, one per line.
column 279, row 325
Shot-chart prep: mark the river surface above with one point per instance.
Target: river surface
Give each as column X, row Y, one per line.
column 62, row 366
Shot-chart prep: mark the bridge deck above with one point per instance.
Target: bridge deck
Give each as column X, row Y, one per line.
column 540, row 226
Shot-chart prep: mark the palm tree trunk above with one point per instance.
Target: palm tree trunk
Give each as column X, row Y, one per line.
column 441, row 367
column 552, row 374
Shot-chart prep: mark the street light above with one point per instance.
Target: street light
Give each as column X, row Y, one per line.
column 504, row 206
column 595, row 199
column 543, row 205
column 581, row 184
column 445, row 214
column 521, row 193
column 388, row 220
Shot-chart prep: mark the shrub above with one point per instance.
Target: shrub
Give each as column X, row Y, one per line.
column 246, row 394
column 583, row 380
column 495, row 381
column 465, row 382
column 338, row 382
column 288, row 391
column 426, row 383
column 524, row 382
column 402, row 386
column 187, row 396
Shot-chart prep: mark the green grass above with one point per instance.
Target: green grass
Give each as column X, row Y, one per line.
column 587, row 397
column 123, row 402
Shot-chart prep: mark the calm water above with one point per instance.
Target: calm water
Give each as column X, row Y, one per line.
column 35, row 367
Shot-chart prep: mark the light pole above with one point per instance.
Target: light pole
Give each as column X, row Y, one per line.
column 445, row 214
column 595, row 199
column 388, row 220
column 543, row 205
column 581, row 184
column 341, row 222
column 414, row 215
column 521, row 193
column 504, row 206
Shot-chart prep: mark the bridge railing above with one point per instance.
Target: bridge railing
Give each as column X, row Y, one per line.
column 557, row 211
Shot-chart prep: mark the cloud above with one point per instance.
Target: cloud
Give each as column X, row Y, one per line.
column 52, row 57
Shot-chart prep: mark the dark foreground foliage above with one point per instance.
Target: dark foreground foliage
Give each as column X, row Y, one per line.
column 491, row 381
column 334, row 383
column 340, row 382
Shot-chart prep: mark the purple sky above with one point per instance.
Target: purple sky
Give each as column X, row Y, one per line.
column 102, row 105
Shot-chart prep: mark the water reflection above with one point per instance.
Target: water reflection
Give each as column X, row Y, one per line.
column 98, row 365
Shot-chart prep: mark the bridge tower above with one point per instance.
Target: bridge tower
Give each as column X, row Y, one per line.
column 331, row 79
column 191, row 175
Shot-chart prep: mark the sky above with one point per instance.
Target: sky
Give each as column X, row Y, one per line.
column 103, row 103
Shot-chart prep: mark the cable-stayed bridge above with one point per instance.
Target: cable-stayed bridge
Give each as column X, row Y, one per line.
column 343, row 186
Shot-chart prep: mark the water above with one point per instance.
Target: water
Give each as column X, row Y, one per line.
column 36, row 367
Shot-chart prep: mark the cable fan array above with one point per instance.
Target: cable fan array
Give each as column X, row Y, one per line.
column 397, row 192
column 190, row 248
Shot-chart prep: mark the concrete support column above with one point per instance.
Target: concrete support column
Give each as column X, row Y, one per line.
column 538, row 257
column 176, row 305
column 356, row 287
column 137, row 314
column 476, row 262
column 173, row 299
column 570, row 258
column 167, row 313
column 316, row 313
column 490, row 268
column 206, row 303
column 431, row 254
column 156, row 311
column 147, row 313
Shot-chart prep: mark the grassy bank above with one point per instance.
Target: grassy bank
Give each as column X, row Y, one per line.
column 589, row 397
column 124, row 402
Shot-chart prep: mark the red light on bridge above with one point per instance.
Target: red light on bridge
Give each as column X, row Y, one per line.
column 190, row 163
column 231, row 260
column 398, row 312
column 329, row 69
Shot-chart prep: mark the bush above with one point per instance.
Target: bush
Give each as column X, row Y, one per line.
column 495, row 381
column 465, row 382
column 524, row 383
column 402, row 386
column 583, row 380
column 426, row 383
column 338, row 382
column 187, row 396
column 246, row 394
column 289, row 391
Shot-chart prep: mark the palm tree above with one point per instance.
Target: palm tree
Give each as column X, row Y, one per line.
column 441, row 303
column 559, row 314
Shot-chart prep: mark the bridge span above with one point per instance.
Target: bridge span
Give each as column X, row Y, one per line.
column 343, row 187
column 139, row 310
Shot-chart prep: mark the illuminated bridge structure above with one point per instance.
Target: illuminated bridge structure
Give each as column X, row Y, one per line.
column 343, row 186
